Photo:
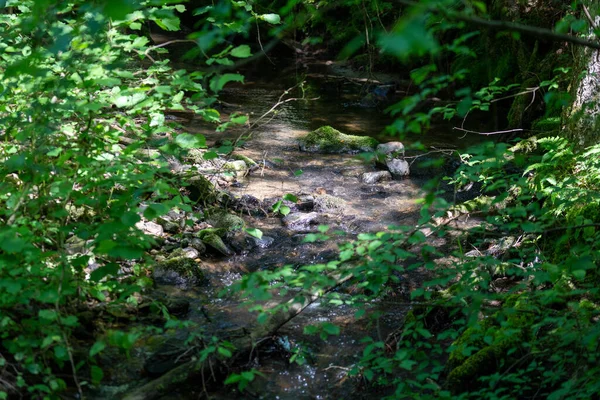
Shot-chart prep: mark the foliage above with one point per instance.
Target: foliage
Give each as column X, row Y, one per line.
column 507, row 308
column 83, row 96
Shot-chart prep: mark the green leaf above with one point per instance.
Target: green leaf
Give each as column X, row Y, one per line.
column 290, row 197
column 331, row 329
column 118, row 9
column 168, row 24
column 110, row 269
column 210, row 155
column 271, row 18
column 218, row 82
column 189, row 141
column 97, row 348
column 242, row 51
column 49, row 315
column 224, row 352
column 257, row 233
column 96, row 374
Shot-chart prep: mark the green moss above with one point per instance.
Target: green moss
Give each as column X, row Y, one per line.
column 249, row 162
column 202, row 190
column 220, row 232
column 329, row 140
column 224, row 220
column 196, row 156
column 490, row 344
column 551, row 124
column 214, row 241
column 482, row 363
column 182, row 266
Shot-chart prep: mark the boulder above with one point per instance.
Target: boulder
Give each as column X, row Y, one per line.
column 398, row 167
column 150, row 228
column 238, row 167
column 391, row 149
column 215, row 242
column 329, row 140
column 202, row 190
column 168, row 224
column 187, row 252
column 182, row 272
column 374, row 177
column 224, row 220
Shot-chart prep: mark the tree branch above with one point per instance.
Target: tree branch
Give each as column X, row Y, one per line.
column 540, row 33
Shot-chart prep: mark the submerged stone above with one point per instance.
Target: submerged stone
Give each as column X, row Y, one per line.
column 374, row 177
column 301, row 222
column 329, row 140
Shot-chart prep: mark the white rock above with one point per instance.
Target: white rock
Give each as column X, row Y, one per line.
column 398, row 167
column 150, row 228
column 391, row 149
column 374, row 177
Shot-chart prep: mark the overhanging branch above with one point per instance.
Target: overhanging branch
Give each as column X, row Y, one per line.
column 541, row 33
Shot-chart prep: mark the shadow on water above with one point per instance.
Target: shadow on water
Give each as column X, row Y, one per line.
column 368, row 208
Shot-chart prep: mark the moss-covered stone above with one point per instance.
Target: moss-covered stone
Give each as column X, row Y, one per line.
column 202, row 190
column 249, row 162
column 224, row 220
column 215, row 242
column 329, row 140
column 491, row 344
column 182, row 272
column 237, row 167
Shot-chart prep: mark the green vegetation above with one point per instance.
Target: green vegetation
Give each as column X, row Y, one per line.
column 329, row 140
column 506, row 307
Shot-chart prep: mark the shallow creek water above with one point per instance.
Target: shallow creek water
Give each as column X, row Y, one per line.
column 369, row 208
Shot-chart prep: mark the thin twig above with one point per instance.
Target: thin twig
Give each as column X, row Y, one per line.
column 589, row 17
column 260, row 43
column 488, row 133
column 158, row 46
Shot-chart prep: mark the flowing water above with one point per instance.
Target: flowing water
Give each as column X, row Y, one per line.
column 368, row 208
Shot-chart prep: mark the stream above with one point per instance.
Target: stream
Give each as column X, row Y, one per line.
column 366, row 208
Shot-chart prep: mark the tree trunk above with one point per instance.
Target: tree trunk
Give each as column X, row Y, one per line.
column 582, row 120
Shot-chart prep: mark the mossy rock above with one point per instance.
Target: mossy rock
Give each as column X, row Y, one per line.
column 196, row 156
column 490, row 345
column 80, row 213
column 202, row 190
column 215, row 242
column 182, row 272
column 249, row 162
column 329, row 140
column 224, row 220
column 484, row 362
column 238, row 167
